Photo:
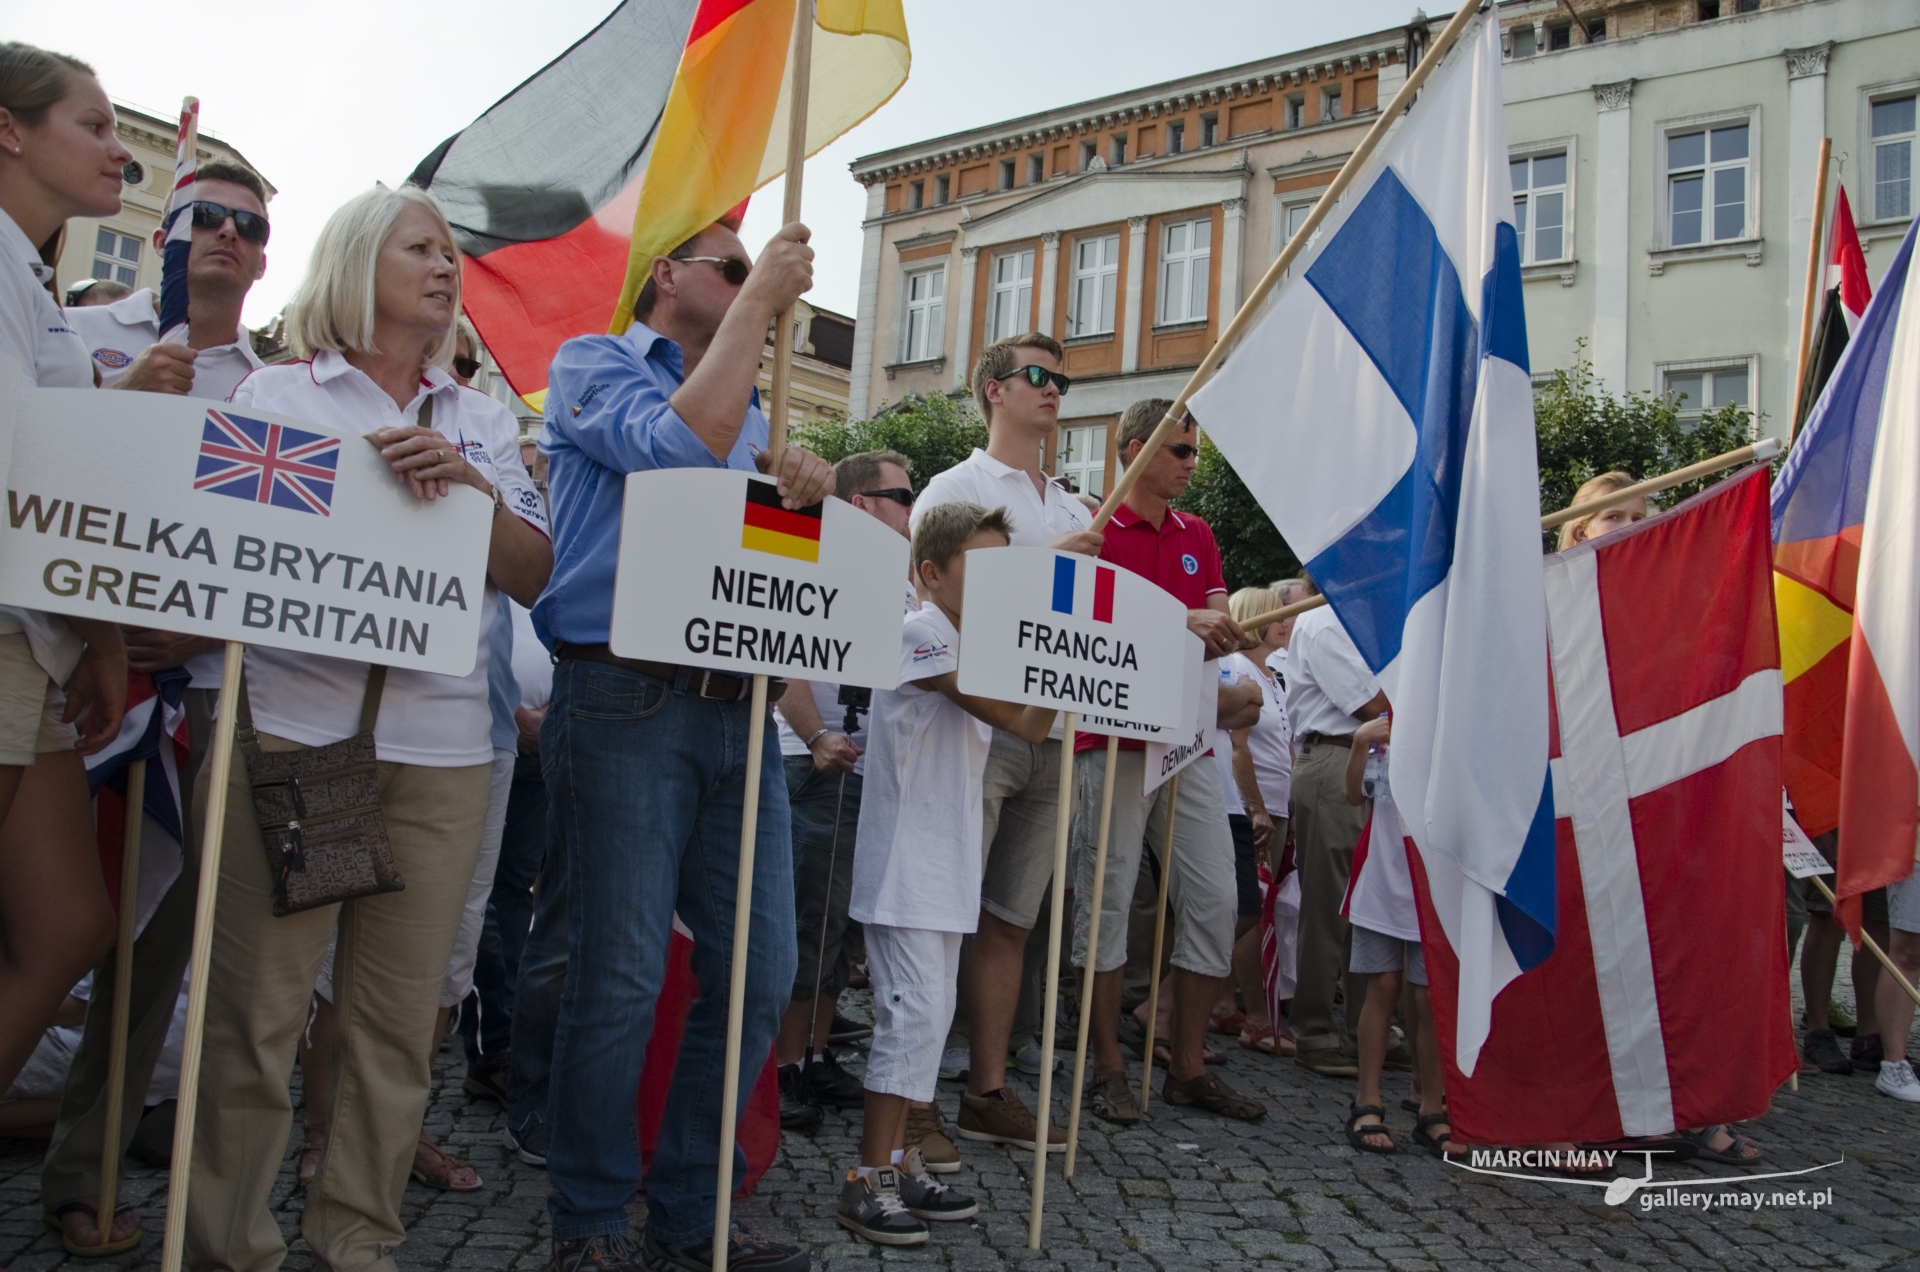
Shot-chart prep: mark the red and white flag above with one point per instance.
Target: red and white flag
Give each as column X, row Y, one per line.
column 1847, row 264
column 1664, row 1003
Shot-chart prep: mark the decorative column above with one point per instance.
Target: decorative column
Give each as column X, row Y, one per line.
column 1232, row 250
column 1806, row 125
column 1613, row 168
column 866, row 311
column 963, row 337
column 1136, row 289
column 1049, row 278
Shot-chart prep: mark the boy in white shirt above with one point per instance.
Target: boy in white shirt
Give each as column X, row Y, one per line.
column 916, row 872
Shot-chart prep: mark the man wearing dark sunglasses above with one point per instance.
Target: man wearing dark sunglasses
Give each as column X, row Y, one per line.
column 228, row 256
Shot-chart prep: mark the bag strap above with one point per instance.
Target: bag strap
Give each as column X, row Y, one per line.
column 370, row 701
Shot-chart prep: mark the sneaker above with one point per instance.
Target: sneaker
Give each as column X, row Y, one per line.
column 927, row 1131
column 613, row 1252
column 824, row 1082
column 1027, row 1059
column 797, row 1113
column 1001, row 1118
column 927, row 1197
column 844, row 1030
column 529, row 1140
column 1839, row 1019
column 744, row 1254
column 488, row 1079
column 955, row 1063
column 872, row 1208
column 1866, row 1053
column 1823, row 1049
column 1896, row 1079
column 1328, row 1062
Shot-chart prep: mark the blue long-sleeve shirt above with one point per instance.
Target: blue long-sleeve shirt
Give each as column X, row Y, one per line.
column 607, row 415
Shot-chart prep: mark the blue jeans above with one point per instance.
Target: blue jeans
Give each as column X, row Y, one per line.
column 646, row 785
column 486, row 1019
column 538, row 987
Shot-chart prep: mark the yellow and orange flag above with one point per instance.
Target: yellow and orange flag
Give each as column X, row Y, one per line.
column 728, row 104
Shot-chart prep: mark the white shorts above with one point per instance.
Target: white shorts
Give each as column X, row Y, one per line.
column 916, row 975
column 30, row 706
column 1903, row 903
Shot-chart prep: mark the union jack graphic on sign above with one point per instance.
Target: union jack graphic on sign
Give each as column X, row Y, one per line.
column 267, row 463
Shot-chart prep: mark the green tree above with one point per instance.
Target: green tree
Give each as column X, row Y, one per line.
column 1252, row 553
column 935, row 432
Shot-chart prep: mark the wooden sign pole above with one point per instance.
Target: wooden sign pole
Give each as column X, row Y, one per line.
column 109, row 1196
column 1159, row 942
column 1809, row 304
column 1093, row 954
column 800, row 66
column 1867, row 937
column 1043, row 1115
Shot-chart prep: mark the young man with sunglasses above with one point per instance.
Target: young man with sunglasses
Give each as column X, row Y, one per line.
column 228, row 256
column 1018, row 384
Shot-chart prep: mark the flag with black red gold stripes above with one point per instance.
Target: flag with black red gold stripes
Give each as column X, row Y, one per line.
column 768, row 527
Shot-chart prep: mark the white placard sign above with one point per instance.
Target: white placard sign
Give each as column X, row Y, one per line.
column 1802, row 859
column 180, row 514
column 1168, row 755
column 1055, row 629
column 715, row 573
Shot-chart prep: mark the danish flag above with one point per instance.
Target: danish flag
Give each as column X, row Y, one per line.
column 267, row 463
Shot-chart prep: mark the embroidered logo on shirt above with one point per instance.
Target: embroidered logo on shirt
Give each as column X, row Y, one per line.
column 112, row 358
column 593, row 391
column 1188, row 563
column 929, row 650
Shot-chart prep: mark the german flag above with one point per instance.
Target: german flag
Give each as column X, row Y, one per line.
column 767, row 527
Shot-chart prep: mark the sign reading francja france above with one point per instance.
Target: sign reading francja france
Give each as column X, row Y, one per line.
column 182, row 515
column 1054, row 629
column 714, row 573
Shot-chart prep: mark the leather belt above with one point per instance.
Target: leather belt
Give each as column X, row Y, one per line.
column 716, row 686
column 1335, row 739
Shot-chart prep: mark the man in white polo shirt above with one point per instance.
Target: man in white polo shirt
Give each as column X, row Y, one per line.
column 1018, row 384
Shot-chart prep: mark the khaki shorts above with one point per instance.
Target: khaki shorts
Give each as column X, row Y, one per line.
column 30, row 705
column 1022, row 805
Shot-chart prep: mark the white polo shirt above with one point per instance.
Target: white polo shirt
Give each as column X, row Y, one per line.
column 1329, row 679
column 116, row 334
column 427, row 719
column 1038, row 517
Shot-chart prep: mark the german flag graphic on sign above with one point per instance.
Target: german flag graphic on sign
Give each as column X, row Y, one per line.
column 767, row 527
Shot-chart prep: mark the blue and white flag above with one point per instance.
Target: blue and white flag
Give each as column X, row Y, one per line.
column 1382, row 412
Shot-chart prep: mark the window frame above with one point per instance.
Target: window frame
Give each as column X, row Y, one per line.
column 1293, row 111
column 916, row 194
column 1866, row 206
column 117, row 261
column 1176, row 136
column 942, row 189
column 1036, row 168
column 1106, row 270
column 1097, row 465
column 1569, row 222
column 1330, row 104
column 995, row 289
column 1163, row 258
column 1284, row 206
column 1007, row 173
column 1209, row 130
column 933, row 347
column 1750, row 236
column 1750, row 363
column 1116, row 149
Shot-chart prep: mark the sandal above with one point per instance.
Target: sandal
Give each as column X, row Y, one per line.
column 1208, row 1092
column 1741, row 1152
column 1163, row 1056
column 57, row 1220
column 307, row 1164
column 1110, row 1096
column 441, row 1178
column 1357, row 1134
column 1268, row 1040
column 1440, row 1146
column 1230, row 1024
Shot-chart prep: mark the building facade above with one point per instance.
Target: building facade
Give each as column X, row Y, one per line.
column 1664, row 157
column 823, row 360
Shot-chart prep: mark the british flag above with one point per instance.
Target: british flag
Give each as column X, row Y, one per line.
column 267, row 463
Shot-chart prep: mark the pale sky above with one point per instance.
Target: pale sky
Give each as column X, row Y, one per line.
column 325, row 100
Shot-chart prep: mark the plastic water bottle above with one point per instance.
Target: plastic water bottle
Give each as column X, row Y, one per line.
column 1373, row 781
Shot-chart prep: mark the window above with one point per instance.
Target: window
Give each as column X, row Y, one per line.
column 1893, row 129
column 1184, row 251
column 1295, row 215
column 1707, row 185
column 1296, row 112
column 1746, row 6
column 942, row 185
column 1011, row 299
column 1096, row 275
column 1540, row 207
column 1209, row 129
column 1036, row 169
column 926, row 305
column 1176, row 136
column 1596, row 31
column 1117, row 149
column 117, row 256
column 1523, row 42
column 1087, row 153
column 1082, row 459
column 1709, row 10
column 1006, row 174
column 916, row 195
column 1330, row 104
column 1695, row 390
column 1559, row 37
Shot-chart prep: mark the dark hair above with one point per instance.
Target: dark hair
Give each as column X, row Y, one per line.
column 945, row 528
column 649, row 294
column 233, row 174
column 856, row 473
column 32, row 79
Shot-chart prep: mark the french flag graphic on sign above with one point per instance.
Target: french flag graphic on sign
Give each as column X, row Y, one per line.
column 267, row 463
column 1083, row 589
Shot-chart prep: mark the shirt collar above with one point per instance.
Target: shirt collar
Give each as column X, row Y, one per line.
column 1125, row 518
column 14, row 242
column 646, row 340
column 330, row 364
column 143, row 307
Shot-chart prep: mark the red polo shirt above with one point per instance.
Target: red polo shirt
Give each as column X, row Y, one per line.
column 1180, row 555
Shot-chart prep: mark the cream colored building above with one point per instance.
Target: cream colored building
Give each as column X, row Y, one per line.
column 823, row 355
column 1130, row 226
column 121, row 247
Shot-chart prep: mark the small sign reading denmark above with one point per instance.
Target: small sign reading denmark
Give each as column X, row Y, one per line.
column 1053, row 629
column 180, row 514
column 715, row 573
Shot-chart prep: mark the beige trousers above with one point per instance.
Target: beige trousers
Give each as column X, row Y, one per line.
column 391, row 958
column 1326, row 829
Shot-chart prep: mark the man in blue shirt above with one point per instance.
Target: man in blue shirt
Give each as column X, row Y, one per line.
column 647, row 764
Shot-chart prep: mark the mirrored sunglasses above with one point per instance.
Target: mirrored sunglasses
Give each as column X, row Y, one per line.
column 731, row 268
column 1038, row 376
column 251, row 226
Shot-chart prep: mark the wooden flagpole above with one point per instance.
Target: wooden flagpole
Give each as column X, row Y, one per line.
column 1159, row 942
column 1808, row 304
column 1243, row 319
column 213, row 828
column 800, row 73
column 1093, row 951
column 109, row 1196
column 1867, row 938
column 1043, row 1115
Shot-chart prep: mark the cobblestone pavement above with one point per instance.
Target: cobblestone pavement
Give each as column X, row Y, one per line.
column 1181, row 1192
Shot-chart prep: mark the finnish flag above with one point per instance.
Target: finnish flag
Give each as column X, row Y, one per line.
column 1381, row 410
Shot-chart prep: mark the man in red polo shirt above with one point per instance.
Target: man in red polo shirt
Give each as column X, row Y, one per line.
column 1177, row 551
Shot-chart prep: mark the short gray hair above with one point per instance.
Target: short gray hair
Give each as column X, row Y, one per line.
column 856, row 473
column 335, row 305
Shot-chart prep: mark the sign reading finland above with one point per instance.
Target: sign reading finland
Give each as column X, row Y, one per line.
column 174, row 513
column 1054, row 629
column 715, row 573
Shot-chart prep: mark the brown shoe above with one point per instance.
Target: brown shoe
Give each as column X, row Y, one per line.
column 927, row 1131
column 1328, row 1063
column 1001, row 1118
column 1110, row 1096
column 1208, row 1092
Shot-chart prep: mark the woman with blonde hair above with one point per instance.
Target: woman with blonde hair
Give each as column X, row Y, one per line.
column 375, row 317
column 1595, row 524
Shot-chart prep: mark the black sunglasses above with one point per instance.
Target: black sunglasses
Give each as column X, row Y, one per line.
column 465, row 368
column 1182, row 450
column 250, row 226
column 1038, row 376
column 731, row 268
column 899, row 494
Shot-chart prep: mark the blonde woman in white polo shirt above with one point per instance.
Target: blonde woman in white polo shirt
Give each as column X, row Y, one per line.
column 375, row 315
column 58, row 159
